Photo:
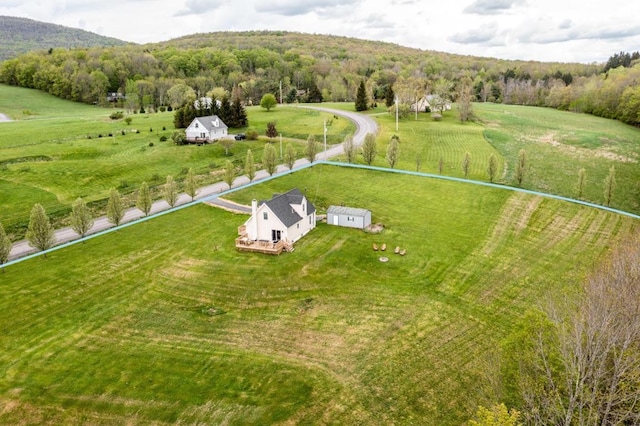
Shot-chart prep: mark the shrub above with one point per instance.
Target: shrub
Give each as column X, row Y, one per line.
column 252, row 134
column 117, row 115
column 162, row 109
column 163, row 138
column 169, row 108
column 179, row 137
column 122, row 131
column 142, row 111
column 99, row 135
column 128, row 120
column 150, row 143
column 88, row 136
column 164, row 128
column 151, row 129
column 138, row 131
column 110, row 135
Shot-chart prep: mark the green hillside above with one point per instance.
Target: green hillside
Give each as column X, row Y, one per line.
column 22, row 35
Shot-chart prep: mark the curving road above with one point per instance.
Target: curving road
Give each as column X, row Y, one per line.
column 364, row 124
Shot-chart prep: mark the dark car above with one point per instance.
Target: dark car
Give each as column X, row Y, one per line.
column 240, row 136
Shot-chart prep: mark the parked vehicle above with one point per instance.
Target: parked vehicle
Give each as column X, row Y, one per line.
column 240, row 136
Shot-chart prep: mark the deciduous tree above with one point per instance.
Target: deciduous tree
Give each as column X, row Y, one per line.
column 492, row 168
column 269, row 159
column 190, row 184
column 170, row 191
column 229, row 173
column 249, row 166
column 115, row 207
column 81, row 218
column 5, row 246
column 226, row 143
column 268, row 101
column 498, row 415
column 311, row 149
column 369, row 148
column 290, row 156
column 609, row 185
column 393, row 151
column 466, row 164
column 349, row 148
column 521, row 166
column 40, row 233
column 144, row 201
column 582, row 182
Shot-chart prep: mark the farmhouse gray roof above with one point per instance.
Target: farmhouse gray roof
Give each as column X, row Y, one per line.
column 280, row 205
column 347, row 211
column 211, row 122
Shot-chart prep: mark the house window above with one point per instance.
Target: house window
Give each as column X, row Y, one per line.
column 196, row 126
column 265, row 215
column 203, row 135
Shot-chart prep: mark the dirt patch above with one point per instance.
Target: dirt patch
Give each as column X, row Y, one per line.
column 552, row 139
column 374, row 228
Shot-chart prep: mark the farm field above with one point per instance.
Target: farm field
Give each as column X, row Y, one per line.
column 164, row 323
column 63, row 150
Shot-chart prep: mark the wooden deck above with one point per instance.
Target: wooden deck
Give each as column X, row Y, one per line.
column 266, row 247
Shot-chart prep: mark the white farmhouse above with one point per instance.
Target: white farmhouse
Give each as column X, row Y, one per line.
column 276, row 224
column 206, row 129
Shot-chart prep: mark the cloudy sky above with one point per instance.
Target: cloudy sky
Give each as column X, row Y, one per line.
column 543, row 30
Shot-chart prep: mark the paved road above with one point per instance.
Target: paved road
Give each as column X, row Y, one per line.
column 364, row 124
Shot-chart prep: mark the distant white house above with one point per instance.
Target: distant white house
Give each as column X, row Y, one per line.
column 431, row 103
column 205, row 102
column 276, row 224
column 206, row 129
column 349, row 217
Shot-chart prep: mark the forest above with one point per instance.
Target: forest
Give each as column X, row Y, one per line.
column 305, row 67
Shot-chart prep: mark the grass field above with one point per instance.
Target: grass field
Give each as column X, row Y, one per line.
column 62, row 150
column 165, row 322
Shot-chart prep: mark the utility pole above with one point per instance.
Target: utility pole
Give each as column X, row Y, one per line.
column 280, row 146
column 325, row 138
column 280, row 91
column 396, row 113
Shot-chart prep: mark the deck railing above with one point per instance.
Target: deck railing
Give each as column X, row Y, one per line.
column 268, row 247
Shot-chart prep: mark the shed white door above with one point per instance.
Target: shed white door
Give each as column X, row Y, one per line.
column 335, row 219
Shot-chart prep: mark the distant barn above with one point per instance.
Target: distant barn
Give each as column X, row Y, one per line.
column 349, row 217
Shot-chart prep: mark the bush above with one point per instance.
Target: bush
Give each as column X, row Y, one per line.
column 150, row 143
column 252, row 134
column 128, row 120
column 164, row 128
column 151, row 129
column 162, row 109
column 163, row 138
column 99, row 135
column 118, row 115
column 179, row 138
column 138, row 131
column 142, row 111
column 122, row 131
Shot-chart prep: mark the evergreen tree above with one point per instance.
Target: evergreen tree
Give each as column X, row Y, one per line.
column 115, row 207
column 314, row 95
column 362, row 103
column 144, row 202
column 269, row 159
column 5, row 246
column 81, row 219
column 225, row 110
column 311, row 150
column 369, row 148
column 40, row 232
column 249, row 166
column 190, row 184
column 271, row 132
column 292, row 97
column 290, row 156
column 170, row 191
column 239, row 114
column 389, row 96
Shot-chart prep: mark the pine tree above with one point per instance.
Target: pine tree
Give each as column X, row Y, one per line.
column 144, row 202
column 239, row 114
column 81, row 219
column 225, row 110
column 170, row 191
column 5, row 246
column 389, row 96
column 249, row 166
column 271, row 132
column 311, row 149
column 269, row 159
column 115, row 207
column 314, row 95
column 40, row 232
column 290, row 156
column 362, row 103
column 190, row 184
column 229, row 173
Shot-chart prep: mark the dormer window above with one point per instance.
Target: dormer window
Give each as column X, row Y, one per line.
column 196, row 125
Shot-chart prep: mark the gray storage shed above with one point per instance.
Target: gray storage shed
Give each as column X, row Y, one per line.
column 349, row 217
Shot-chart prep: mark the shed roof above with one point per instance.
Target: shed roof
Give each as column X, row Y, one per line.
column 347, row 211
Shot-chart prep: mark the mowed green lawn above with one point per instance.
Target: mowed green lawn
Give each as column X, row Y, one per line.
column 166, row 322
column 63, row 150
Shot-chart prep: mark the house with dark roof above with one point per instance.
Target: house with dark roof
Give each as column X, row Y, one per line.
column 206, row 129
column 277, row 223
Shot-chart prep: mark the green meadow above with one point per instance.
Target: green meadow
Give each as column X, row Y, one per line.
column 62, row 150
column 165, row 322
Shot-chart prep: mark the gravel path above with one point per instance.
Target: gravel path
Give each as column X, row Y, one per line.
column 364, row 124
